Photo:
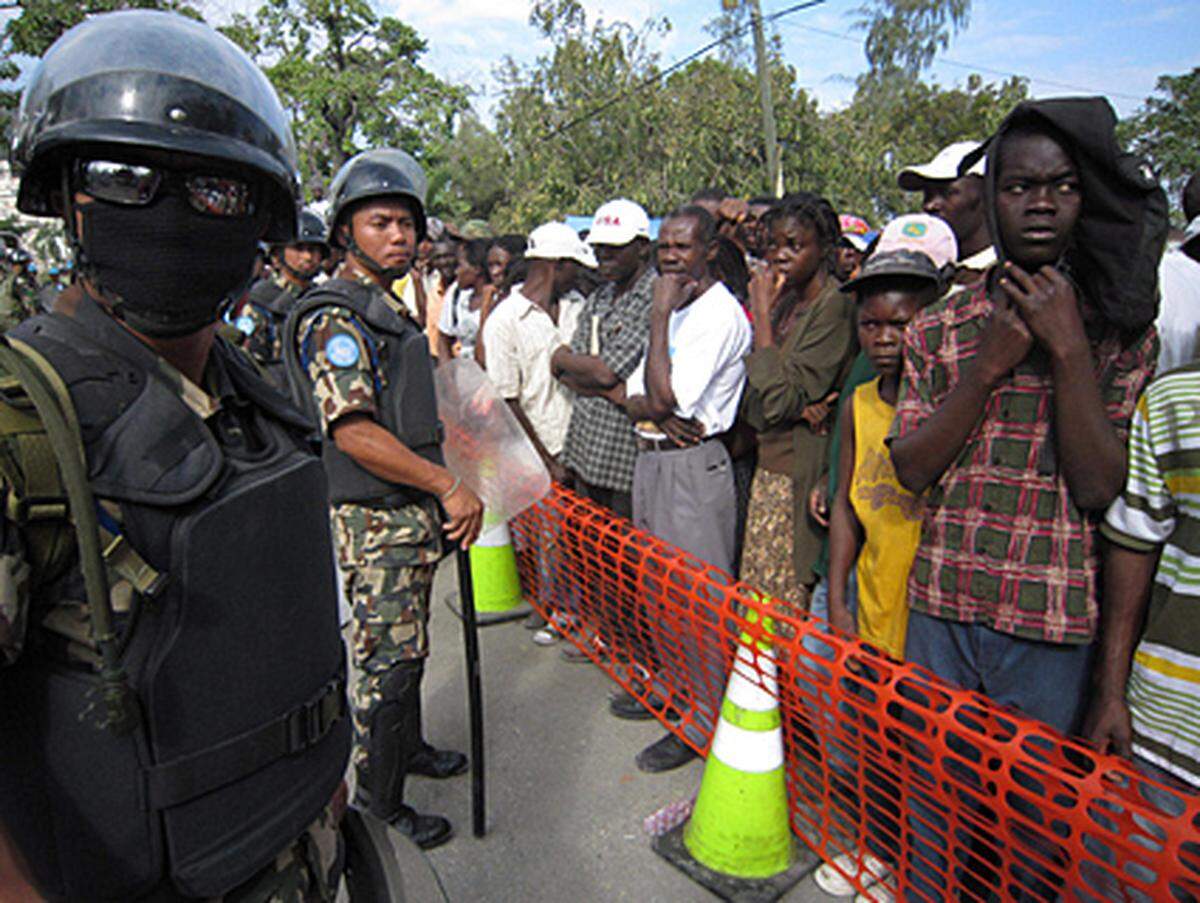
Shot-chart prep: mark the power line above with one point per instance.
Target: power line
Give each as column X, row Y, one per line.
column 945, row 61
column 679, row 64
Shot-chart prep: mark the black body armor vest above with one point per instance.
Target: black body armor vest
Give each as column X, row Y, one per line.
column 403, row 371
column 273, row 303
column 236, row 663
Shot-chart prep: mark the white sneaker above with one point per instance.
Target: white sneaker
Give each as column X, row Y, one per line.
column 834, row 883
column 546, row 636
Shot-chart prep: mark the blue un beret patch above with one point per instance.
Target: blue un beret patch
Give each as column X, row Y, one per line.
column 342, row 350
column 245, row 324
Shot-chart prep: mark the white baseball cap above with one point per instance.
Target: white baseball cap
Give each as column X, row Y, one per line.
column 618, row 223
column 942, row 168
column 558, row 241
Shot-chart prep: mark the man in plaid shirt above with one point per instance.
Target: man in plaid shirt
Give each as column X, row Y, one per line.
column 1015, row 403
column 610, row 341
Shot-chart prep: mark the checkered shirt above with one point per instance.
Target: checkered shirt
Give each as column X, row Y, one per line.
column 601, row 445
column 1002, row 542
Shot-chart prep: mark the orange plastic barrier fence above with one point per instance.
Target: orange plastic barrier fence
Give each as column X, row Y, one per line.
column 935, row 792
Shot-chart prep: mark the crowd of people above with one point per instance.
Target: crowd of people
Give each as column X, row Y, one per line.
column 914, row 432
column 966, row 437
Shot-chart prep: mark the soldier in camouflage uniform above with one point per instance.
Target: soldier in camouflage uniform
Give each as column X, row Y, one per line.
column 18, row 288
column 294, row 265
column 195, row 749
column 362, row 365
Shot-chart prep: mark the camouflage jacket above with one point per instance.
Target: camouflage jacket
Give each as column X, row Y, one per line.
column 344, row 378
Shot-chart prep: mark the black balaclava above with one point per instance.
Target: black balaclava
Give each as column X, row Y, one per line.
column 168, row 269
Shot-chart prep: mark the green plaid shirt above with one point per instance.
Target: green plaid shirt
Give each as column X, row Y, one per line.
column 1002, row 541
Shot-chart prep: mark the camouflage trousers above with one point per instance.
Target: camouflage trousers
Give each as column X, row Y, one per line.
column 391, row 616
column 303, row 873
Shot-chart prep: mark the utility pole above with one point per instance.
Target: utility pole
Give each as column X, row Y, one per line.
column 770, row 138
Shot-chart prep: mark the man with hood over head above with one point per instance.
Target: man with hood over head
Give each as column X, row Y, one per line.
column 1014, row 407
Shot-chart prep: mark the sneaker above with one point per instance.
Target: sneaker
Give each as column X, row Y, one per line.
column 547, row 636
column 834, row 883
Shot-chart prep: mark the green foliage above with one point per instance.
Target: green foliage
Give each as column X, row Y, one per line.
column 1165, row 129
column 906, row 35
column 894, row 122
column 593, row 119
column 352, row 80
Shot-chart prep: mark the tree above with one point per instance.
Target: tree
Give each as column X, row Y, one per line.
column 39, row 24
column 906, row 35
column 351, row 79
column 472, row 180
column 893, row 122
column 1165, row 129
column 580, row 123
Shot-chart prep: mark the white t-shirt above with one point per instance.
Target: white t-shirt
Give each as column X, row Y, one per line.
column 707, row 342
column 519, row 337
column 1179, row 313
column 459, row 321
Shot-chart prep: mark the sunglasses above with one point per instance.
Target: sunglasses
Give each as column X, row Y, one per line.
column 135, row 185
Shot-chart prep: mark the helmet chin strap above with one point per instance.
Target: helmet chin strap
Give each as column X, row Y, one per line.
column 391, row 274
column 295, row 273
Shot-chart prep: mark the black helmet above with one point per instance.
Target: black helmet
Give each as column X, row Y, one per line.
column 162, row 85
column 310, row 229
column 385, row 172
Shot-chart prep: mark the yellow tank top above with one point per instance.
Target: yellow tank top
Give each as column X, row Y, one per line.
column 891, row 520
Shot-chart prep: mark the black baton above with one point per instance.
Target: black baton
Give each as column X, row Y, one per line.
column 466, row 595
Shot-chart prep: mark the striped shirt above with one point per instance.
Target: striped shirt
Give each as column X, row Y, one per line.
column 1161, row 507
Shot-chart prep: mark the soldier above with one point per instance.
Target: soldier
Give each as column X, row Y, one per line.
column 358, row 359
column 172, row 695
column 294, row 265
column 18, row 284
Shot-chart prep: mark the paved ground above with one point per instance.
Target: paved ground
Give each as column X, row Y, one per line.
column 565, row 800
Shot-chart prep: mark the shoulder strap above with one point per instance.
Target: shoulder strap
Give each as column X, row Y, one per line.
column 52, row 402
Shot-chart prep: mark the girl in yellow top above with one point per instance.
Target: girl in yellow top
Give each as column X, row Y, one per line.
column 875, row 519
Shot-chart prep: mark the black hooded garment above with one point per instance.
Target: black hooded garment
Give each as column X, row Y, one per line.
column 1122, row 229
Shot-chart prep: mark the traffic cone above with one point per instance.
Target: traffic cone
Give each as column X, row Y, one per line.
column 738, row 842
column 494, row 574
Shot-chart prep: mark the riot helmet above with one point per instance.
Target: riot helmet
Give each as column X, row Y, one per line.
column 310, row 232
column 310, row 229
column 185, row 152
column 159, row 85
column 384, row 172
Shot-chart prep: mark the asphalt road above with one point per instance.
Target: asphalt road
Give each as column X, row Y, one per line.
column 565, row 800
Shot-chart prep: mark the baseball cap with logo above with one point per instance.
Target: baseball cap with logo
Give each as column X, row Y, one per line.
column 942, row 168
column 915, row 245
column 856, row 232
column 558, row 241
column 618, row 223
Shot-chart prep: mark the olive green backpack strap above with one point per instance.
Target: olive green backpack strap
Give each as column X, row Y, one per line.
column 52, row 406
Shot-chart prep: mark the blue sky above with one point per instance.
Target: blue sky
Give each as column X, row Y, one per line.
column 1113, row 47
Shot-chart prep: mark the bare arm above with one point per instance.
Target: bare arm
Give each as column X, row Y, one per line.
column 582, row 371
column 1128, row 577
column 15, row 883
column 557, row 473
column 922, row 456
column 445, row 345
column 845, row 531
column 1092, row 454
column 379, row 452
